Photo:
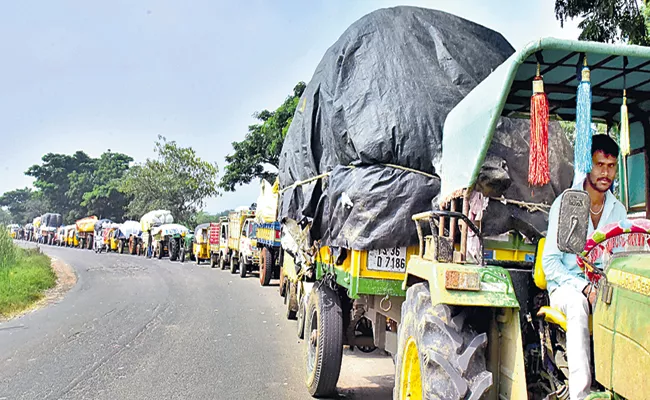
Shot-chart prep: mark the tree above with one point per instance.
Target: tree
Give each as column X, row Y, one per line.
column 203, row 217
column 177, row 180
column 5, row 218
column 15, row 202
column 23, row 205
column 606, row 20
column 99, row 189
column 78, row 185
column 262, row 145
column 53, row 181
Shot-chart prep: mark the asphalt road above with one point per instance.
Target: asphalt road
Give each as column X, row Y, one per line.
column 133, row 328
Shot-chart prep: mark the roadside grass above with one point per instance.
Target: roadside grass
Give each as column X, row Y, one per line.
column 24, row 275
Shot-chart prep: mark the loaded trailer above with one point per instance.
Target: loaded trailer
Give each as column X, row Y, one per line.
column 241, row 254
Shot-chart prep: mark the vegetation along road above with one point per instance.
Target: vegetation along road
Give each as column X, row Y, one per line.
column 134, row 328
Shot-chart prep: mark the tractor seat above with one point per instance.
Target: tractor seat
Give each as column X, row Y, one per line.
column 550, row 314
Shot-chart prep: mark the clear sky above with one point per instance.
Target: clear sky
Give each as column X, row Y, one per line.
column 92, row 76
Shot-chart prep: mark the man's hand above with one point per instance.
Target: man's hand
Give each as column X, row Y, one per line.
column 590, row 293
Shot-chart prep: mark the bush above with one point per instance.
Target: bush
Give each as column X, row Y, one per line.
column 7, row 249
column 24, row 275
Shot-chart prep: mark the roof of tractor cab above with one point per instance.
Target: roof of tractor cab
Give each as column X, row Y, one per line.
column 507, row 91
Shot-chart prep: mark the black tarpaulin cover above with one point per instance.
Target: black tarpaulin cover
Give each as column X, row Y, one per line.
column 380, row 96
column 51, row 220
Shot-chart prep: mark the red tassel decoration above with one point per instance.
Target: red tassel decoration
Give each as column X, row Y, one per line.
column 538, row 169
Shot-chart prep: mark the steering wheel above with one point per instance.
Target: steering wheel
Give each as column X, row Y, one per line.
column 635, row 232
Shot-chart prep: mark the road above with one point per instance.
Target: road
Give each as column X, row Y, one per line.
column 134, row 328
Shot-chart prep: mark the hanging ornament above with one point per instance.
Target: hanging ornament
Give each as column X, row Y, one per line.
column 582, row 149
column 538, row 169
column 625, row 127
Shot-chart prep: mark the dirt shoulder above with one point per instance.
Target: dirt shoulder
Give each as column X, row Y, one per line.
column 65, row 280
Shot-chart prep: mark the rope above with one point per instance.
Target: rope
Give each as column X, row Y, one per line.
column 531, row 207
column 326, row 174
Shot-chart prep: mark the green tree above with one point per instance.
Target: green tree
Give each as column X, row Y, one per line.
column 606, row 20
column 262, row 145
column 177, row 180
column 78, row 185
column 203, row 217
column 16, row 203
column 99, row 189
column 24, row 205
column 5, row 218
column 53, row 181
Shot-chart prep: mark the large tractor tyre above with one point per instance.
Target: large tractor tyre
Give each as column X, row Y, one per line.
column 173, row 249
column 222, row 262
column 233, row 265
column 439, row 356
column 324, row 339
column 243, row 268
column 266, row 267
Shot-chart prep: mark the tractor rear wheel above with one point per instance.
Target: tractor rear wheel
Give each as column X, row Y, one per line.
column 324, row 340
column 243, row 268
column 173, row 249
column 439, row 356
column 266, row 267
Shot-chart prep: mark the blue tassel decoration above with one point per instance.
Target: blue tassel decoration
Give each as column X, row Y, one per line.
column 582, row 149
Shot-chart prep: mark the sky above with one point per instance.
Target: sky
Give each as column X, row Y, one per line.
column 93, row 76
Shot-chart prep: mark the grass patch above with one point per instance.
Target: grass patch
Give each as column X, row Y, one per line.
column 24, row 275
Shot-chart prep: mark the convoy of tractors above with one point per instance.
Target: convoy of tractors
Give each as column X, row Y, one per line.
column 464, row 314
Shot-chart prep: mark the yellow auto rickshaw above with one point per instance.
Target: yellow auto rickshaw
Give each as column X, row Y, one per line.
column 111, row 240
column 201, row 244
column 71, row 238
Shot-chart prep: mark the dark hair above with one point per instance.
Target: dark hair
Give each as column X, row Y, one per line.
column 605, row 144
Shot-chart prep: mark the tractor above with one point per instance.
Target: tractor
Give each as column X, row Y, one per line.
column 483, row 328
column 466, row 315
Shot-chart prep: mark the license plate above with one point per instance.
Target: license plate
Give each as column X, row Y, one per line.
column 392, row 260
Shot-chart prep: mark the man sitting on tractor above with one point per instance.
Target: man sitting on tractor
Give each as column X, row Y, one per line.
column 569, row 290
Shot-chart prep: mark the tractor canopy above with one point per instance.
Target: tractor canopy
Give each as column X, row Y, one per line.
column 506, row 92
column 168, row 230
